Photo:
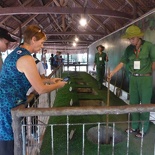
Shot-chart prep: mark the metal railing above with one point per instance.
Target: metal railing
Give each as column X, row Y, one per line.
column 21, row 111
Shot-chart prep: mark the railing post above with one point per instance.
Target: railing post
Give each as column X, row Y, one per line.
column 16, row 125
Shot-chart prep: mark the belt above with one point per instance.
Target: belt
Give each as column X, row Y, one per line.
column 149, row 74
column 100, row 65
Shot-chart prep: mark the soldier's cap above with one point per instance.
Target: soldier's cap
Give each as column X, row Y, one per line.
column 5, row 34
column 133, row 31
column 100, row 46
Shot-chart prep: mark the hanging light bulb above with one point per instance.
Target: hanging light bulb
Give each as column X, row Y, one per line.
column 83, row 21
column 74, row 44
column 76, row 39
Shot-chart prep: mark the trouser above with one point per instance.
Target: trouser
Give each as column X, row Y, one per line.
column 6, row 147
column 140, row 89
column 100, row 74
column 52, row 67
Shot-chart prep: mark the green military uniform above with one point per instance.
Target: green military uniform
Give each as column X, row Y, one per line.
column 100, row 67
column 140, row 88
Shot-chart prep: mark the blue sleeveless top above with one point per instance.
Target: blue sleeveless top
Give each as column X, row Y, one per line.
column 13, row 88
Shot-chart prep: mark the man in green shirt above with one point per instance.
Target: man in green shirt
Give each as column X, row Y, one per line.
column 99, row 62
column 140, row 58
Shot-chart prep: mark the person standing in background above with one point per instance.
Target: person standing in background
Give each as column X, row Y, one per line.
column 99, row 63
column 5, row 39
column 140, row 58
column 56, row 59
column 44, row 61
column 51, row 60
column 40, row 66
column 61, row 60
column 41, row 71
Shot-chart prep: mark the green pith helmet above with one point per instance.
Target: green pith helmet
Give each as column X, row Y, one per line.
column 133, row 31
column 100, row 46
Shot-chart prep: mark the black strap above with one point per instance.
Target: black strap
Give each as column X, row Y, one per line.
column 37, row 61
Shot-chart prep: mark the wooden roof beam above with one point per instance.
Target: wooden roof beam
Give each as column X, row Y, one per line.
column 64, row 10
column 71, row 40
column 74, row 33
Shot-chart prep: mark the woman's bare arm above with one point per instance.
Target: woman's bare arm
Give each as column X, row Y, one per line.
column 26, row 65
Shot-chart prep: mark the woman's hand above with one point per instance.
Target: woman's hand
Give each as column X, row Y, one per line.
column 61, row 83
column 55, row 80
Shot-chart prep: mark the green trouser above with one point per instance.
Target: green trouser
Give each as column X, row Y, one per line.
column 140, row 92
column 100, row 75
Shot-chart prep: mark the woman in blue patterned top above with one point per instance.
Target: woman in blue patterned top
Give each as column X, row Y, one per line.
column 19, row 73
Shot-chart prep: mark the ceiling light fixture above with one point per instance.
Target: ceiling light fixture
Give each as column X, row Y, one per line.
column 74, row 44
column 83, row 21
column 76, row 39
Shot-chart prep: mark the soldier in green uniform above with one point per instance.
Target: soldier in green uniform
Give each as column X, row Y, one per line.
column 99, row 62
column 140, row 58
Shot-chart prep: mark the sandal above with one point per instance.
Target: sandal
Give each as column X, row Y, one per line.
column 130, row 130
column 140, row 134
